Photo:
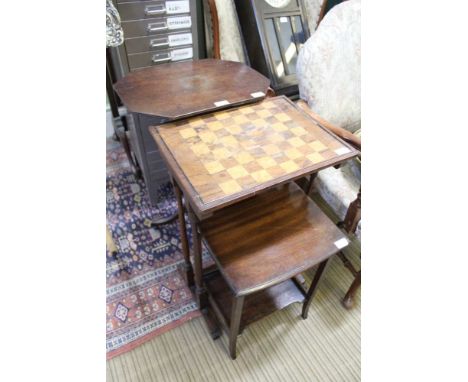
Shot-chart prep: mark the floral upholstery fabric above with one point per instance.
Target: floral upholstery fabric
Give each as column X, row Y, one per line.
column 231, row 45
column 329, row 75
column 329, row 67
column 339, row 187
column 312, row 9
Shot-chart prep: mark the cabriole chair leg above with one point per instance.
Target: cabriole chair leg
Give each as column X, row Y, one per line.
column 348, row 300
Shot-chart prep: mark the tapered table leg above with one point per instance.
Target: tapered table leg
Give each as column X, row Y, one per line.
column 313, row 287
column 201, row 294
column 236, row 315
column 183, row 236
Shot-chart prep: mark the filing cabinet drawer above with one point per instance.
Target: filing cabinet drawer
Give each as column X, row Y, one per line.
column 148, row 9
column 141, row 60
column 156, row 25
column 159, row 42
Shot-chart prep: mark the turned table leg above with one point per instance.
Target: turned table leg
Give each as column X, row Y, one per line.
column 313, row 288
column 183, row 236
column 201, row 294
column 200, row 290
column 236, row 314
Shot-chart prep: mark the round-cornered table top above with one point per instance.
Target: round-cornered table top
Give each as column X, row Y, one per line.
column 183, row 89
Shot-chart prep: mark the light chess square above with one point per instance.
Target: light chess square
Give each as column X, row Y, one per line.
column 232, row 151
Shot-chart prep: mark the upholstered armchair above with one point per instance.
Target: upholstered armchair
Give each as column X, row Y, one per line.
column 329, row 75
column 224, row 38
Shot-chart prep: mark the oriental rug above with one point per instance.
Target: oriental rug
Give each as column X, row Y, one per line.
column 146, row 293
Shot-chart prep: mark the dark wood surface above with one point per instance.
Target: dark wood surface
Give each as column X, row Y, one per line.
column 221, row 158
column 182, row 89
column 269, row 238
column 256, row 306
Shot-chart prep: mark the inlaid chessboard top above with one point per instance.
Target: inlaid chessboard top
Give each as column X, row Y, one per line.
column 182, row 89
column 229, row 155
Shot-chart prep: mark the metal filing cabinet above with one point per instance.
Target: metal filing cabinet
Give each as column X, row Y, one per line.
column 155, row 32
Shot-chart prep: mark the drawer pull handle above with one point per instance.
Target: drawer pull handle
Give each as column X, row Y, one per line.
column 156, row 60
column 159, row 42
column 157, row 27
column 155, row 10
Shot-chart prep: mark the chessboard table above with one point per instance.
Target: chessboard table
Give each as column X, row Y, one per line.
column 221, row 158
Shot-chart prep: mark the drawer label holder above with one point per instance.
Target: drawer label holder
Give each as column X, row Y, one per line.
column 174, row 7
column 181, row 54
column 179, row 22
column 173, row 55
column 180, row 39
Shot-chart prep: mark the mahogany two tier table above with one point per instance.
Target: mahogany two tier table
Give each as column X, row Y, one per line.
column 223, row 157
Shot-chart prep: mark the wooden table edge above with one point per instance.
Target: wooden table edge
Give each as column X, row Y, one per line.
column 203, row 210
column 182, row 181
column 175, row 118
column 270, row 283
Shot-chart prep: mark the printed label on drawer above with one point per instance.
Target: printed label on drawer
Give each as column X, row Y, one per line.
column 180, row 39
column 173, row 7
column 181, row 54
column 179, row 22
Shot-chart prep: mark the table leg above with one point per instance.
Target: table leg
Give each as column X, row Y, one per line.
column 313, row 287
column 200, row 290
column 236, row 315
column 311, row 181
column 183, row 236
column 201, row 293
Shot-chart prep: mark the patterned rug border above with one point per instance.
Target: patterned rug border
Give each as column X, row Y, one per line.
column 132, row 345
column 126, row 218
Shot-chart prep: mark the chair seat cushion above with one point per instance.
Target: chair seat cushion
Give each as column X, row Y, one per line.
column 269, row 238
column 339, row 187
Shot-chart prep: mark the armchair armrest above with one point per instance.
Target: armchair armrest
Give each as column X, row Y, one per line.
column 213, row 10
column 339, row 131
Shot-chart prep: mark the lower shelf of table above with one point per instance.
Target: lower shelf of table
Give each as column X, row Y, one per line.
column 256, row 306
